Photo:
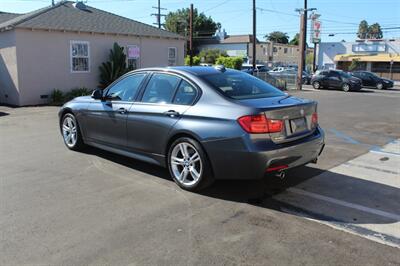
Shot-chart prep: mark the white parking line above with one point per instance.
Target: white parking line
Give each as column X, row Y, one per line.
column 359, row 196
column 385, row 152
column 345, row 204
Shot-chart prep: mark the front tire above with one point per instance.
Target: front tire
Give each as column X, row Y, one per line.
column 316, row 85
column 379, row 85
column 188, row 165
column 71, row 132
column 346, row 87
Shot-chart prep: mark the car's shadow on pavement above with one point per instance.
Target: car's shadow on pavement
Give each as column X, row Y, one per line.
column 3, row 114
column 262, row 193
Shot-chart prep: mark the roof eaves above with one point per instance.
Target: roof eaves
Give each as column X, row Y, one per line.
column 99, row 32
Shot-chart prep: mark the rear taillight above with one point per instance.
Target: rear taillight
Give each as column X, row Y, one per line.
column 257, row 124
column 314, row 119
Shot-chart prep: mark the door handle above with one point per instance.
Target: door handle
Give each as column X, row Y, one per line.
column 172, row 113
column 122, row 110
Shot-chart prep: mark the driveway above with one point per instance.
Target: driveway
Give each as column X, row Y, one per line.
column 64, row 207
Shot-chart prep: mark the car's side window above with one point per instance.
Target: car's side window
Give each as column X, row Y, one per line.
column 160, row 89
column 186, row 94
column 125, row 89
column 324, row 73
column 334, row 74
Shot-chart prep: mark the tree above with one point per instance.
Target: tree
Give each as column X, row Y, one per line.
column 211, row 55
column 375, row 31
column 277, row 36
column 114, row 67
column 366, row 31
column 178, row 22
column 354, row 65
column 295, row 40
column 363, row 29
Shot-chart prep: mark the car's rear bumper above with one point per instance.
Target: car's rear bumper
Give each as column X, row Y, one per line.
column 240, row 158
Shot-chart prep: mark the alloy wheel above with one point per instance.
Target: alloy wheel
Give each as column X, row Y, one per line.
column 186, row 164
column 69, row 131
column 316, row 85
column 379, row 86
column 346, row 87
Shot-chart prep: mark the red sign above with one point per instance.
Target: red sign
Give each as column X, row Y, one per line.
column 133, row 51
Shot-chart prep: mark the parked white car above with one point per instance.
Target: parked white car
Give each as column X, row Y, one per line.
column 277, row 69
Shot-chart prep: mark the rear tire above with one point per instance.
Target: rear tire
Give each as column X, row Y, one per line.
column 71, row 132
column 346, row 87
column 316, row 85
column 188, row 165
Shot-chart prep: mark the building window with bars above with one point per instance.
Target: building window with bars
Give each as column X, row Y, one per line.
column 80, row 56
column 171, row 56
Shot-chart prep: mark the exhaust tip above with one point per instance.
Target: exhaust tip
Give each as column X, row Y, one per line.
column 281, row 174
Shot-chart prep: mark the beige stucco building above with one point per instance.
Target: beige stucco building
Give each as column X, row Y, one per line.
column 62, row 47
column 267, row 52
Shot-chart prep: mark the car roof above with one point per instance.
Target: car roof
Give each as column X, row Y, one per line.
column 194, row 70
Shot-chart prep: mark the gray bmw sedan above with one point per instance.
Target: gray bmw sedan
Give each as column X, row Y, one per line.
column 202, row 123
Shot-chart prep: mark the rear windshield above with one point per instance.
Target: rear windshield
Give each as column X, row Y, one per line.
column 240, row 86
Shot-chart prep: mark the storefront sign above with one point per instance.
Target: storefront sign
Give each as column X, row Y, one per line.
column 316, row 29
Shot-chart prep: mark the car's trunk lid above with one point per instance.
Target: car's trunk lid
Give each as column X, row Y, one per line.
column 296, row 114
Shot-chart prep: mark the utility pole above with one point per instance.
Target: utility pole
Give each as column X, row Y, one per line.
column 254, row 36
column 52, row 3
column 305, row 34
column 301, row 59
column 302, row 44
column 191, row 35
column 158, row 15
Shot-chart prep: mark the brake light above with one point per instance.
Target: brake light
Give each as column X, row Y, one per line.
column 260, row 124
column 314, row 118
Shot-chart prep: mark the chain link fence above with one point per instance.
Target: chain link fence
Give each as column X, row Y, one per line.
column 283, row 81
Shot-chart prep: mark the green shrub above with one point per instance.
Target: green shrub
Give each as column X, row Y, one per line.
column 57, row 97
column 196, row 60
column 230, row 62
column 210, row 55
column 76, row 93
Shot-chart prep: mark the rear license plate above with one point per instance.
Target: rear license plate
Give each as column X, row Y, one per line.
column 298, row 125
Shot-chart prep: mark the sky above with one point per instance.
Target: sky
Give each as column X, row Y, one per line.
column 338, row 17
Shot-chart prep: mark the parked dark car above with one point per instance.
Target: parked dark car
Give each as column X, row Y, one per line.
column 202, row 123
column 336, row 79
column 306, row 78
column 371, row 80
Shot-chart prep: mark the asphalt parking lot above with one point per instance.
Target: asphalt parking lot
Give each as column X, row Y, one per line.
column 63, row 207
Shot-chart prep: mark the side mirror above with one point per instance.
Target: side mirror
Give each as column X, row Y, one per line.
column 97, row 94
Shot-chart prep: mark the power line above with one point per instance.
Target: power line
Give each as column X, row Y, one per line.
column 220, row 4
